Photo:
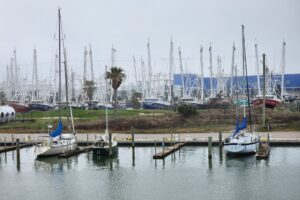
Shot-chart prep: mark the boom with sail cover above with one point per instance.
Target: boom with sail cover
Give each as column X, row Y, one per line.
column 240, row 126
column 58, row 130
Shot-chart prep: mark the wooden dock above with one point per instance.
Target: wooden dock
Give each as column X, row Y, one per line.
column 263, row 151
column 167, row 151
column 75, row 152
column 12, row 148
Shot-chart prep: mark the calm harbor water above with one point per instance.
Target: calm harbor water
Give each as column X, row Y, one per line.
column 188, row 174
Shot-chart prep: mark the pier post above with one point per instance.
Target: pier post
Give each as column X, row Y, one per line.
column 209, row 147
column 12, row 139
column 4, row 142
column 163, row 144
column 132, row 137
column 18, row 149
column 87, row 139
column 220, row 139
column 110, row 151
column 268, row 139
column 154, row 146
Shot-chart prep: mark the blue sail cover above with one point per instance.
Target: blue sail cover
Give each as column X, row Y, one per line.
column 58, row 130
column 240, row 126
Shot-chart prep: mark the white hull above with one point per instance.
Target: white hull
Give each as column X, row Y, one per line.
column 62, row 146
column 242, row 144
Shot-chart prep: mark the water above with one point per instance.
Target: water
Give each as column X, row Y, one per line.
column 187, row 175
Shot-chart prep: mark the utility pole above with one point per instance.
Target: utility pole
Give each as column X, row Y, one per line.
column 264, row 92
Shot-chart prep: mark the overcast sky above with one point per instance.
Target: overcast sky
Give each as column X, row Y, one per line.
column 127, row 24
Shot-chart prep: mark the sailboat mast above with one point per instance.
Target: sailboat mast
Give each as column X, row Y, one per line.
column 202, row 74
column 283, row 69
column 246, row 74
column 134, row 68
column 92, row 66
column 181, row 72
column 171, row 71
column 232, row 69
column 149, row 68
column 257, row 70
column 59, row 62
column 210, row 71
column 106, row 111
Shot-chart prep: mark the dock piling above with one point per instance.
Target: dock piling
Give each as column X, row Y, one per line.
column 5, row 143
column 132, row 137
column 209, row 147
column 220, row 139
column 87, row 139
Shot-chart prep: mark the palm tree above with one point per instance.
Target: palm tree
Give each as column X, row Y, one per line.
column 116, row 76
column 89, row 88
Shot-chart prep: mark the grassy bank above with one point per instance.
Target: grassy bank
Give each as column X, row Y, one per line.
column 152, row 121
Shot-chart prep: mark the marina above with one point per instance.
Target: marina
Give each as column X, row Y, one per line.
column 132, row 178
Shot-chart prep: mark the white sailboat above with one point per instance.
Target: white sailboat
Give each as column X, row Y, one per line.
column 102, row 144
column 242, row 141
column 58, row 143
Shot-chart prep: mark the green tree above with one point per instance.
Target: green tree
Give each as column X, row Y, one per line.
column 116, row 76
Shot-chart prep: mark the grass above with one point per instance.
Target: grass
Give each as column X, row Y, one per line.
column 151, row 121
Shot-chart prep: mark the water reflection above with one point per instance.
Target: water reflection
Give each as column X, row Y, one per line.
column 105, row 162
column 55, row 164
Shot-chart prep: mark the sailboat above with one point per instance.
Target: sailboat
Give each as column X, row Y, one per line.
column 58, row 143
column 242, row 141
column 102, row 145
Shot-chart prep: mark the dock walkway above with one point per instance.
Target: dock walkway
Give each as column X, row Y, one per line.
column 167, row 151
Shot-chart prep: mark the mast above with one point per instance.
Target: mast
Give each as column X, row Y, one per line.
column 16, row 67
column 232, row 69
column 143, row 77
column 92, row 67
column 246, row 73
column 283, row 69
column 84, row 66
column 257, row 69
column 35, row 76
column 72, row 86
column 171, row 71
column 113, row 64
column 202, row 74
column 149, row 68
column 210, row 71
column 106, row 111
column 59, row 63
column 181, row 72
column 134, row 67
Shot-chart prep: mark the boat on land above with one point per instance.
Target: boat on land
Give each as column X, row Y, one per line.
column 242, row 141
column 271, row 101
column 57, row 142
column 40, row 106
column 19, row 106
column 155, row 103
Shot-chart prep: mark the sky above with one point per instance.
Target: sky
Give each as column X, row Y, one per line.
column 128, row 24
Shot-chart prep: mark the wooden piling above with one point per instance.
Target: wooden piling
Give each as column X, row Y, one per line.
column 209, row 147
column 132, row 137
column 87, row 139
column 220, row 139
column 5, row 143
column 18, row 148
column 163, row 144
column 110, row 151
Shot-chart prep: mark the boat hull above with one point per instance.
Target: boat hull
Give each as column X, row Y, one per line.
column 154, row 106
column 248, row 148
column 270, row 103
column 19, row 108
column 104, row 151
column 47, row 151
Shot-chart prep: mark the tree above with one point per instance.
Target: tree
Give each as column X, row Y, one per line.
column 186, row 110
column 116, row 76
column 89, row 88
column 3, row 98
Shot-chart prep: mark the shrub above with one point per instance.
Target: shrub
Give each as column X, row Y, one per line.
column 186, row 110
